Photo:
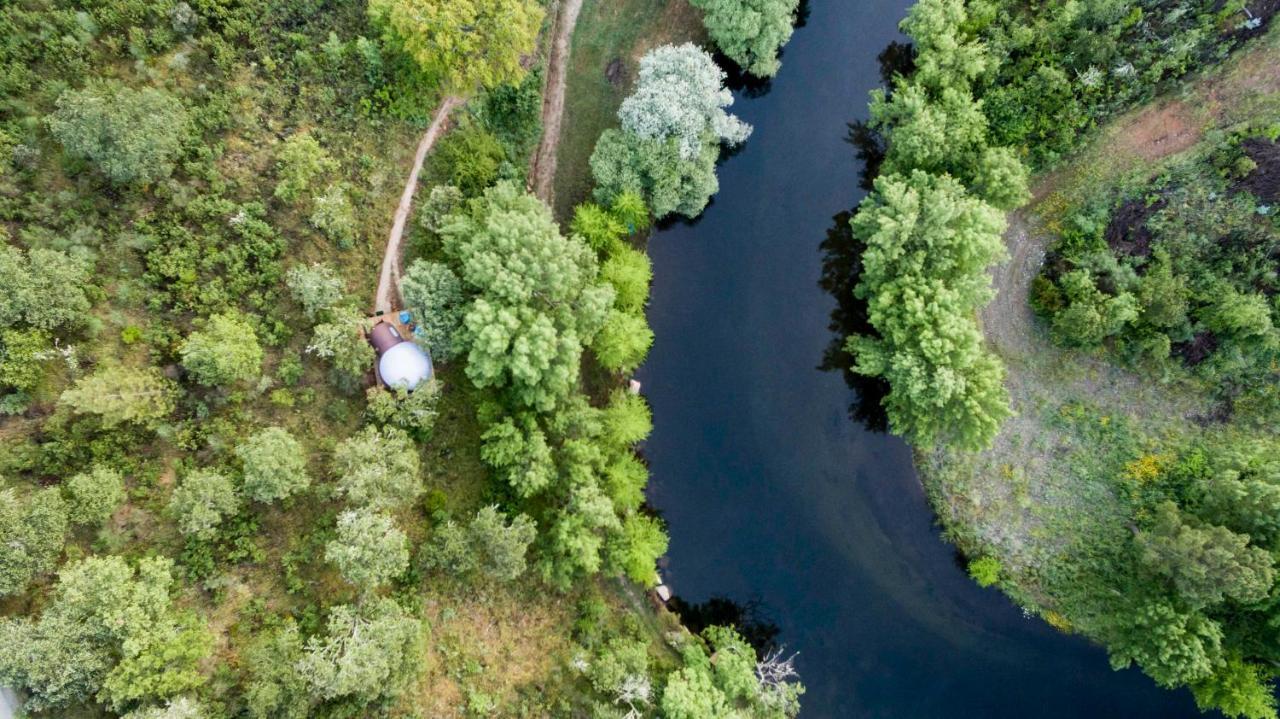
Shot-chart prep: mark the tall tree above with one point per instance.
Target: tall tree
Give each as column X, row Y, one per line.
column 462, row 43
column 130, row 135
column 275, row 465
column 123, row 394
column 33, row 530
column 369, row 549
column 378, row 468
column 365, row 652
column 223, row 352
column 750, row 32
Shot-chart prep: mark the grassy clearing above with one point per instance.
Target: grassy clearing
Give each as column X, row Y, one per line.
column 611, row 34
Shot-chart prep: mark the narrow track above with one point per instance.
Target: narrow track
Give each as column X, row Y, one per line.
column 543, row 172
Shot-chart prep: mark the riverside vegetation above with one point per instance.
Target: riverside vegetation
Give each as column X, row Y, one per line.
column 207, row 511
column 1111, row 465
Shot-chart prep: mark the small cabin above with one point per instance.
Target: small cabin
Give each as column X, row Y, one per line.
column 402, row 364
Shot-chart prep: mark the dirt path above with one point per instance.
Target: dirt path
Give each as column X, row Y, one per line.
column 543, row 172
column 389, row 279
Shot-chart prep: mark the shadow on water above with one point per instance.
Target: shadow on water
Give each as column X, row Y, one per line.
column 751, row 619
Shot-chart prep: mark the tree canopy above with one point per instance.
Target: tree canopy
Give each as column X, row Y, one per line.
column 130, row 135
column 750, row 32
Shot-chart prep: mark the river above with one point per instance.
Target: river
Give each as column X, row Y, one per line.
column 771, row 492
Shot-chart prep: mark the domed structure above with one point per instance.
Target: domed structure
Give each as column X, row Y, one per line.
column 401, row 363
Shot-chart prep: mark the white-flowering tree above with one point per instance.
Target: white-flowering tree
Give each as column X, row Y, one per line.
column 680, row 94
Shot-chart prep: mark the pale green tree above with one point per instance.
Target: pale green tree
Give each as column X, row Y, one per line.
column 334, row 215
column 623, row 342
column 122, row 394
column 369, row 549
column 489, row 544
column 42, row 288
column 223, row 352
column 623, row 163
column 202, row 501
column 634, row 550
column 750, row 32
column 274, row 465
column 130, row 135
column 299, row 160
column 516, row 448
column 317, row 287
column 365, row 652
column 435, row 295
column 339, row 341
column 378, row 468
column 33, row 529
column 462, row 43
column 93, row 496
column 630, row 272
column 1205, row 563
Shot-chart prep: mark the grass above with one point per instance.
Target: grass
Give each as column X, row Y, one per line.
column 609, row 30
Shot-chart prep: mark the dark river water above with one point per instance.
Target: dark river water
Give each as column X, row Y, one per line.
column 772, row 494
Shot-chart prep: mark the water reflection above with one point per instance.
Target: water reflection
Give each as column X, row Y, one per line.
column 749, row 618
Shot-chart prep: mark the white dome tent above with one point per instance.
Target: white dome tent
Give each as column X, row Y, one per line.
column 402, row 364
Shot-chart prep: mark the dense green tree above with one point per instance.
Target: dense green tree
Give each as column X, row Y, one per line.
column 179, row 708
column 435, row 295
column 635, row 549
column 1243, row 492
column 106, row 624
column 317, row 287
column 924, row 277
column 1172, row 646
column 1237, row 689
column 630, row 272
column 517, row 449
column 123, row 394
column 339, row 341
column 130, row 135
column 334, row 215
column 626, row 420
column 946, row 54
column 488, row 544
column 415, row 412
column 93, row 496
column 274, row 465
column 369, row 549
column 202, row 501
column 33, row 530
column 598, row 227
column 225, row 351
column 654, row 169
column 1205, row 563
column 42, row 288
column 275, row 689
column 750, row 32
column 21, row 358
column 365, row 652
column 468, row 158
column 299, row 160
column 462, row 43
column 1090, row 316
column 378, row 468
column 538, row 300
column 623, row 342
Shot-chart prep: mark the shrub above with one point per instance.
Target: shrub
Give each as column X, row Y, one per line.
column 299, row 160
column 224, row 352
column 130, row 135
column 317, row 287
column 985, row 571
column 623, row 342
column 435, row 295
column 275, row 465
column 34, row 529
column 467, row 158
column 333, row 214
column 630, row 272
column 369, row 550
column 203, row 500
column 94, row 496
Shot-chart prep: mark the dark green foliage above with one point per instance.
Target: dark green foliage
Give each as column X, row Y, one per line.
column 33, row 529
column 513, row 115
column 469, row 158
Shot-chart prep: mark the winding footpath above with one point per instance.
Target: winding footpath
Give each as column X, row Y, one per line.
column 390, row 277
column 542, row 173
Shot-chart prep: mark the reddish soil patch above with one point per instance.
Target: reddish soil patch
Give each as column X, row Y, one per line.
column 1158, row 132
column 1197, row 349
column 1127, row 232
column 1264, row 182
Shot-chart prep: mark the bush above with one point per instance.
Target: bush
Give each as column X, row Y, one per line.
column 34, row 529
column 203, row 500
column 630, row 272
column 299, row 160
column 275, row 465
column 94, row 496
column 623, row 342
column 317, row 287
column 369, row 550
column 434, row 294
column 224, row 352
column 985, row 571
column 467, row 158
column 333, row 214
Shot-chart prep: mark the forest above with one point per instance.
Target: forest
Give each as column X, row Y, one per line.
column 209, row 506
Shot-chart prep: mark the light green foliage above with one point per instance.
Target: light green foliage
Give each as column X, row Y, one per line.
column 225, row 351
column 1090, row 316
column 985, row 571
column 130, row 135
column 93, row 496
column 635, row 549
column 179, row 708
column 690, row 694
column 440, row 202
column 537, row 297
column 750, row 32
column 489, row 544
column 339, row 341
column 317, row 287
column 299, row 160
column 274, row 688
column 415, row 412
column 924, row 277
column 625, row 479
column 1205, row 564
column 123, row 394
column 107, row 625
column 1173, row 647
column 623, row 342
column 434, row 294
column 462, row 43
column 369, row 549
column 1000, row 178
column 333, row 214
column 626, row 420
column 42, row 288
column 1242, row 492
column 274, row 465
column 617, row 661
column 34, row 529
column 727, row 684
column 946, row 55
column 22, row 355
column 1239, row 315
column 378, row 468
column 468, row 158
column 366, row 652
column 202, row 501
column 630, row 272
column 1238, row 689
column 516, row 448
column 597, row 227
column 630, row 208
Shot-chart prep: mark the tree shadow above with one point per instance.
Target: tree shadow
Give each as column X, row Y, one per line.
column 841, row 269
column 739, row 80
column 749, row 618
